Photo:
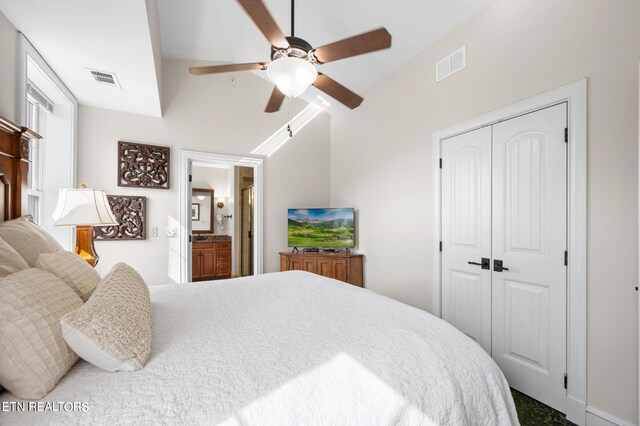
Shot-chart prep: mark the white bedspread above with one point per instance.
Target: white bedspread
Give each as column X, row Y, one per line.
column 289, row 348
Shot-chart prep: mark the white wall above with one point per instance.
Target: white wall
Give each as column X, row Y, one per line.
column 204, row 114
column 211, row 178
column 381, row 157
column 303, row 183
column 8, row 68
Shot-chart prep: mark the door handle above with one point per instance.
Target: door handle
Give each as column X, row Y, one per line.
column 485, row 263
column 497, row 266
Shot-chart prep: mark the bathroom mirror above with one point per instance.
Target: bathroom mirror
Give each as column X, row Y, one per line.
column 202, row 219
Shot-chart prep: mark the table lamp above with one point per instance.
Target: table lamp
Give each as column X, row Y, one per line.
column 84, row 208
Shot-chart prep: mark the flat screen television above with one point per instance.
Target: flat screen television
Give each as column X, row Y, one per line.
column 322, row 228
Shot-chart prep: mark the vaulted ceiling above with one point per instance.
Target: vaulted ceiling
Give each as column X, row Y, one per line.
column 122, row 36
column 221, row 31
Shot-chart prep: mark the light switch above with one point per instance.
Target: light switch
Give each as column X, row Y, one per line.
column 171, row 231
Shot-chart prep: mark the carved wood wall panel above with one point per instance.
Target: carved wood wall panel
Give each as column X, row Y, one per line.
column 130, row 212
column 143, row 165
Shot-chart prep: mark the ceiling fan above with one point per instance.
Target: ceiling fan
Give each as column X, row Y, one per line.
column 293, row 61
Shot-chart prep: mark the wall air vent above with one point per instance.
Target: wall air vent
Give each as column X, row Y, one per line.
column 103, row 77
column 451, row 64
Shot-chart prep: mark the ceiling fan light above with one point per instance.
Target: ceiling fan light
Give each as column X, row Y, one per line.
column 292, row 75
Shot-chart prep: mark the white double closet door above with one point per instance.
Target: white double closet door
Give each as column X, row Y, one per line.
column 504, row 237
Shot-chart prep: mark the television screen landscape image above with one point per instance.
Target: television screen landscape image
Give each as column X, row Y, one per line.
column 321, row 228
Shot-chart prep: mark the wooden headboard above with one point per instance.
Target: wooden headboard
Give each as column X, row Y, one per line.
column 14, row 167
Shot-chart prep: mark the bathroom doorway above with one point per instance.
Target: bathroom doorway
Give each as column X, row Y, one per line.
column 220, row 216
column 212, row 227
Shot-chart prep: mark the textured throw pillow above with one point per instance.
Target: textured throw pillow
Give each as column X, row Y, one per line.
column 28, row 239
column 10, row 260
column 33, row 353
column 113, row 329
column 72, row 269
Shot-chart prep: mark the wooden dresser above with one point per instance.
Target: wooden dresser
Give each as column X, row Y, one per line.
column 341, row 266
column 211, row 260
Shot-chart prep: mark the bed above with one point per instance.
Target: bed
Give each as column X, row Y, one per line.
column 289, row 348
column 279, row 349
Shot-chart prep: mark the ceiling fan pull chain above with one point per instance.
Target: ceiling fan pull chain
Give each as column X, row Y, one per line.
column 289, row 129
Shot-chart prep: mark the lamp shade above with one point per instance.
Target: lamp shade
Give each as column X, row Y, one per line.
column 292, row 75
column 83, row 206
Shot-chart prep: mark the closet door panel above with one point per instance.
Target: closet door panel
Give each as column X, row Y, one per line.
column 466, row 234
column 529, row 219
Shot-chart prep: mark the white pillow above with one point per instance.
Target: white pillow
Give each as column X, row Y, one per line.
column 10, row 261
column 28, row 239
column 72, row 269
column 33, row 353
column 113, row 328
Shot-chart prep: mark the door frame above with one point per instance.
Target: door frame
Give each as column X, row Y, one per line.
column 575, row 95
column 187, row 158
column 252, row 224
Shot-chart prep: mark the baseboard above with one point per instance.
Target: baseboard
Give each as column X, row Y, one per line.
column 576, row 411
column 597, row 417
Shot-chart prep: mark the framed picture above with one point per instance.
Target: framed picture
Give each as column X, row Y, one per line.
column 195, row 211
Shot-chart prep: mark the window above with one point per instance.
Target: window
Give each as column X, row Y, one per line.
column 37, row 108
column 47, row 107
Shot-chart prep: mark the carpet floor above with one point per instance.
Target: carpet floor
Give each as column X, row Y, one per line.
column 535, row 413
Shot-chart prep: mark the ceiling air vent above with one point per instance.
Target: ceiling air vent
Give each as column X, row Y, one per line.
column 451, row 64
column 103, row 77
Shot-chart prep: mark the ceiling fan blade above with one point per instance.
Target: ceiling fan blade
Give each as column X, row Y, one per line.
column 261, row 16
column 275, row 101
column 352, row 46
column 216, row 69
column 337, row 91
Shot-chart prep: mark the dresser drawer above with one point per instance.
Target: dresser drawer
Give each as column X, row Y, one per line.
column 223, row 269
column 223, row 255
column 212, row 246
column 204, row 246
column 346, row 267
